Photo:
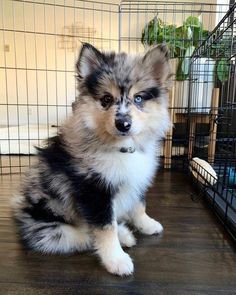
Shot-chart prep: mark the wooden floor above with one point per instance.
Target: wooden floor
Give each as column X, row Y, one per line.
column 194, row 255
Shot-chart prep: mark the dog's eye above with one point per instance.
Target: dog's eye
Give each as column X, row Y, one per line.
column 138, row 99
column 106, row 100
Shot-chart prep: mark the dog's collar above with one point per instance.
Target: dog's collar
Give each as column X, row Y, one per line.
column 130, row 150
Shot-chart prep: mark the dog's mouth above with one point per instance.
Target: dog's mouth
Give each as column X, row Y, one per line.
column 119, row 134
column 130, row 133
column 123, row 134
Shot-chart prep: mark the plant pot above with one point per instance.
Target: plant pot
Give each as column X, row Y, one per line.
column 202, row 84
column 196, row 94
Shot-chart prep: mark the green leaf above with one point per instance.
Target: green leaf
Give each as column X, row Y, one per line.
column 222, row 70
column 205, row 34
column 186, row 61
column 153, row 32
column 193, row 21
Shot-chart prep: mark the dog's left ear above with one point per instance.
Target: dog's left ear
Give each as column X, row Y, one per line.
column 89, row 60
column 157, row 60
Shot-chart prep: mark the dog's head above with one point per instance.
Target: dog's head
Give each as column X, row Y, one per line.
column 123, row 95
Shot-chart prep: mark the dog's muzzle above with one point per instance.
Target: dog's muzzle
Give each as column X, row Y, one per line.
column 123, row 123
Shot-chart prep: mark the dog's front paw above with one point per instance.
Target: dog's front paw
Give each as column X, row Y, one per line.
column 121, row 265
column 150, row 226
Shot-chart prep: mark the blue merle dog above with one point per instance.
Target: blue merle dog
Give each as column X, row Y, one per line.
column 90, row 180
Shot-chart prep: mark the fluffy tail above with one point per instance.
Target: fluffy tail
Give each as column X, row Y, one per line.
column 49, row 236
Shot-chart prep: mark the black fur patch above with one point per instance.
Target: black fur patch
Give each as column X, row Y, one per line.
column 122, row 92
column 150, row 93
column 91, row 195
column 91, row 82
column 106, row 62
column 40, row 212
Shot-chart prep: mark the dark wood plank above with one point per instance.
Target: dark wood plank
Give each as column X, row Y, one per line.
column 193, row 256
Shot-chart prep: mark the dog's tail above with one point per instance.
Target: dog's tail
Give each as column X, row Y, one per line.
column 41, row 234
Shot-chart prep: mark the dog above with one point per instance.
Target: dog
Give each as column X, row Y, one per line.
column 90, row 180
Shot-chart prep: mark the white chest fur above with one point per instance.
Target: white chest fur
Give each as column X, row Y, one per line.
column 140, row 170
column 132, row 172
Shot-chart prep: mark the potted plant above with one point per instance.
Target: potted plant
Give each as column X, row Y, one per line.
column 182, row 42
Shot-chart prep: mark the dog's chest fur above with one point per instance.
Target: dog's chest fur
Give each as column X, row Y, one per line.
column 131, row 173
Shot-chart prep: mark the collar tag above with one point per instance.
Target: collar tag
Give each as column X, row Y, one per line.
column 127, row 150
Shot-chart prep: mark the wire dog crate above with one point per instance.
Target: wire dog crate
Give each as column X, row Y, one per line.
column 220, row 129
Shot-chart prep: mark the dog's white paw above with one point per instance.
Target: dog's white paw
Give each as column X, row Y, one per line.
column 121, row 265
column 126, row 237
column 150, row 226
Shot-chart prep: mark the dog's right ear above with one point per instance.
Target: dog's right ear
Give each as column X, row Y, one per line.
column 89, row 60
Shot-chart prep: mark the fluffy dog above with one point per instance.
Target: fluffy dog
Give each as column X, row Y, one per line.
column 91, row 178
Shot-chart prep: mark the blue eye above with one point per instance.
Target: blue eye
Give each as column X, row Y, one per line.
column 138, row 99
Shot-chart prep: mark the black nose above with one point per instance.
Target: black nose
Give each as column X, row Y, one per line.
column 123, row 124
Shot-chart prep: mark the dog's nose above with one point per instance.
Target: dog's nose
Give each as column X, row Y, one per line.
column 123, row 124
